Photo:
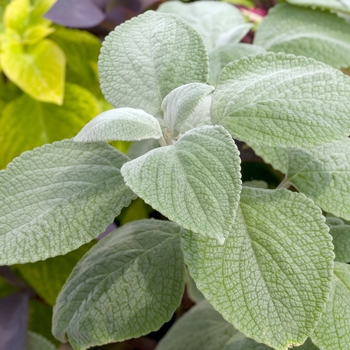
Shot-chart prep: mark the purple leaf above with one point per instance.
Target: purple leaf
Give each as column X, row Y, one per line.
column 13, row 321
column 76, row 13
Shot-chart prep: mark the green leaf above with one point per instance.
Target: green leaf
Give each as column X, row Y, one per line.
column 240, row 342
column 26, row 123
column 39, row 69
column 145, row 58
column 223, row 55
column 333, row 221
column 282, row 100
column 322, row 173
column 47, row 277
column 57, row 198
column 341, row 242
column 15, row 15
column 195, row 182
column 234, row 35
column 256, row 184
column 193, row 292
column 333, row 329
column 81, row 50
column 306, row 32
column 272, row 276
column 127, row 285
column 180, row 103
column 200, row 328
column 335, row 5
column 38, row 342
column 126, row 124
column 210, row 18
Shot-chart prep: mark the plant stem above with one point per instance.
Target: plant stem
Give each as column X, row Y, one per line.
column 283, row 184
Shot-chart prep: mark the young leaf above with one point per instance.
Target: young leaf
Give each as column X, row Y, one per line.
column 333, row 5
column 145, row 58
column 234, row 35
column 26, row 123
column 200, row 328
column 38, row 69
column 271, row 277
column 333, row 330
column 127, row 285
column 322, row 173
column 195, row 182
column 341, row 242
column 57, row 198
column 38, row 342
column 282, row 100
column 180, row 103
column 210, row 18
column 223, row 55
column 126, row 124
column 306, row 32
column 15, row 15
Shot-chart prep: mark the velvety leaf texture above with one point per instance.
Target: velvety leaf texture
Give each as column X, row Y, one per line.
column 195, row 182
column 282, row 100
column 145, row 58
column 333, row 329
column 323, row 174
column 272, row 276
column 335, row 5
column 306, row 32
column 240, row 342
column 341, row 242
column 38, row 342
column 127, row 285
column 58, row 197
column 200, row 328
column 209, row 18
column 125, row 124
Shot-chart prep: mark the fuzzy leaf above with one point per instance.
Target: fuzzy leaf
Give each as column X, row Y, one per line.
column 26, row 123
column 333, row 329
column 200, row 328
column 39, row 70
column 322, row 173
column 37, row 342
column 195, row 182
column 180, row 103
column 335, row 5
column 282, row 100
column 57, row 198
column 234, row 35
column 223, row 55
column 271, row 277
column 125, row 124
column 145, row 58
column 341, row 242
column 306, row 32
column 129, row 284
column 210, row 18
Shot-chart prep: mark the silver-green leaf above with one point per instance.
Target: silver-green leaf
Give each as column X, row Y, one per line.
column 38, row 342
column 195, row 182
column 125, row 124
column 282, row 100
column 57, row 198
column 306, row 32
column 333, row 5
column 271, row 278
column 333, row 329
column 180, row 103
column 341, row 242
column 200, row 328
column 127, row 285
column 145, row 58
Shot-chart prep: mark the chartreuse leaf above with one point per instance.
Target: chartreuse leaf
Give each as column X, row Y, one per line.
column 341, row 242
column 129, row 284
column 57, row 198
column 195, row 182
column 210, row 18
column 200, row 328
column 333, row 329
column 15, row 15
column 336, row 5
column 38, row 69
column 323, row 174
column 180, row 103
column 47, row 277
column 306, row 32
column 26, row 123
column 81, row 50
column 38, row 342
column 145, row 58
column 282, row 100
column 126, row 124
column 223, row 55
column 271, row 277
